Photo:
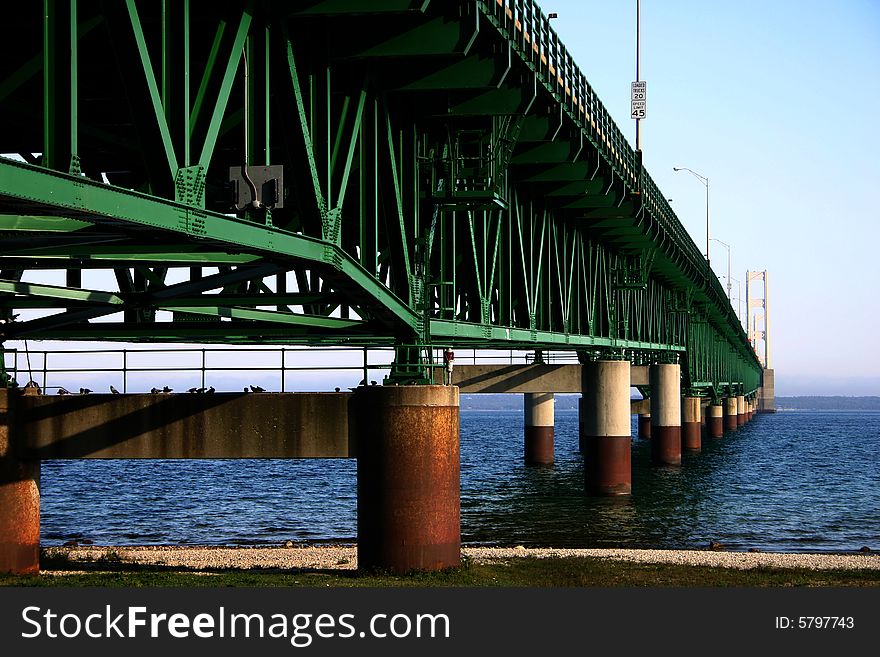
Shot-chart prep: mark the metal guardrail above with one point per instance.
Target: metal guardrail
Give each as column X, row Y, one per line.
column 117, row 366
column 531, row 34
column 42, row 366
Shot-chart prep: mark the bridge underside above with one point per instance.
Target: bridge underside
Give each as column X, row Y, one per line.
column 403, row 173
column 410, row 173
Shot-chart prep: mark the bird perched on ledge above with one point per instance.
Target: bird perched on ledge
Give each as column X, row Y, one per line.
column 63, row 391
column 114, row 390
column 155, row 391
column 167, row 389
column 84, row 391
column 257, row 389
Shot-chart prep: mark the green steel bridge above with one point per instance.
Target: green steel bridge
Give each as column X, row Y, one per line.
column 409, row 173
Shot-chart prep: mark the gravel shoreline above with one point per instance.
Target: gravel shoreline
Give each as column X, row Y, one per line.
column 344, row 557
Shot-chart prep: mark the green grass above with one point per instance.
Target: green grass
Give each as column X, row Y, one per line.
column 518, row 572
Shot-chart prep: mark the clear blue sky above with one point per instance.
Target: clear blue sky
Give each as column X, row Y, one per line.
column 775, row 103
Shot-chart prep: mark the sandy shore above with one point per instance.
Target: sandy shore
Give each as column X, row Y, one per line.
column 344, row 557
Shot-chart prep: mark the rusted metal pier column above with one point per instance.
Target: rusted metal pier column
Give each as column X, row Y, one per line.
column 606, row 436
column 582, row 414
column 19, row 497
column 644, row 425
column 715, row 424
column 408, row 477
column 665, row 413
column 691, row 437
column 538, row 421
column 740, row 410
column 730, row 414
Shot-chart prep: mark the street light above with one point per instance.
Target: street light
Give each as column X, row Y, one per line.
column 727, row 246
column 738, row 299
column 705, row 181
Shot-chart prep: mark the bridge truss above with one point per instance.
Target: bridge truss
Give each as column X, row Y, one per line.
column 399, row 172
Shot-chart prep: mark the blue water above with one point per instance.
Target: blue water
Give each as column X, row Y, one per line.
column 793, row 481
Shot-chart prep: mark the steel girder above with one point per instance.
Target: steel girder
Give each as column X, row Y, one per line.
column 449, row 178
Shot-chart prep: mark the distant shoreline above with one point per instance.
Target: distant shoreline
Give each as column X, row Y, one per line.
column 569, row 402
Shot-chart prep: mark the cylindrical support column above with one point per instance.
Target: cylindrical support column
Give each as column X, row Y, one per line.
column 740, row 410
column 644, row 425
column 716, row 420
column 691, row 435
column 665, row 413
column 408, row 486
column 538, row 427
column 19, row 498
column 730, row 414
column 607, row 432
column 582, row 414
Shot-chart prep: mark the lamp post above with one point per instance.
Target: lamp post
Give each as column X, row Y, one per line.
column 705, row 181
column 738, row 298
column 727, row 246
column 638, row 61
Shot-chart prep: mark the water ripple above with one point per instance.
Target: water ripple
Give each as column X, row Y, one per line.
column 794, row 481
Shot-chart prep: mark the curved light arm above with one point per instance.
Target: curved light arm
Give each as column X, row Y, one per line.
column 702, row 179
column 705, row 181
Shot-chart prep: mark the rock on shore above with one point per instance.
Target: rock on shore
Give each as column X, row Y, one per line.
column 344, row 557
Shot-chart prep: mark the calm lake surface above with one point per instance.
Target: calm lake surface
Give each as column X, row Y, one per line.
column 795, row 481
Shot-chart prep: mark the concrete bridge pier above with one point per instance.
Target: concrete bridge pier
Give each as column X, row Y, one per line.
column 740, row 410
column 691, row 436
column 730, row 423
column 408, row 482
column 715, row 423
column 19, row 497
column 644, row 425
column 606, row 433
column 538, row 422
column 666, row 413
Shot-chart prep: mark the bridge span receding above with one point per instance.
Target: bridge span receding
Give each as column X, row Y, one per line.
column 417, row 175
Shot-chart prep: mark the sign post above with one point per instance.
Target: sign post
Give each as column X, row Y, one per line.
column 638, row 101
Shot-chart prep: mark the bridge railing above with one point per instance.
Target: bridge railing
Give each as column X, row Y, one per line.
column 530, row 31
column 227, row 368
column 276, row 369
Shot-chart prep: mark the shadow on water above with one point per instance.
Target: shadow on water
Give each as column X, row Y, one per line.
column 793, row 481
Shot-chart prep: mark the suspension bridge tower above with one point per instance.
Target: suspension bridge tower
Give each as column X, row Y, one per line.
column 758, row 326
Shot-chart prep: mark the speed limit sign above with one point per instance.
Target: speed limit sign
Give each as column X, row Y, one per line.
column 639, row 99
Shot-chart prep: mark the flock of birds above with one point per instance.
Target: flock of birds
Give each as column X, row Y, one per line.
column 164, row 390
